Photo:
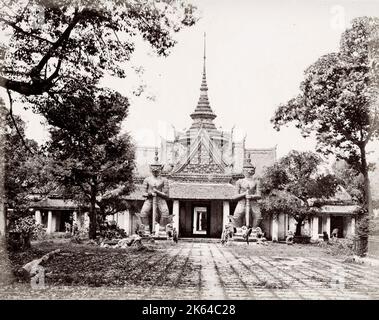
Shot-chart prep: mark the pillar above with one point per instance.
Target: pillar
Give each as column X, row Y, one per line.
column 315, row 228
column 352, row 226
column 38, row 217
column 126, row 222
column 49, row 222
column 275, row 228
column 225, row 215
column 327, row 224
column 79, row 219
column 175, row 212
column 75, row 217
column 86, row 220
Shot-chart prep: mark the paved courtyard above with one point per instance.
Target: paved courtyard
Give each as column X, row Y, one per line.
column 196, row 270
column 236, row 273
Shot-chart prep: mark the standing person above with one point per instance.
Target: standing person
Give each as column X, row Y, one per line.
column 174, row 235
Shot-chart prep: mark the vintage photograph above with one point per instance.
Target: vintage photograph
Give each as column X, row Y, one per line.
column 189, row 150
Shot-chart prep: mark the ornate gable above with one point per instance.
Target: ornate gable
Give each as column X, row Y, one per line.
column 203, row 158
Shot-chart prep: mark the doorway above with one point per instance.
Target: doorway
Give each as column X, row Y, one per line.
column 200, row 220
column 337, row 222
column 201, row 214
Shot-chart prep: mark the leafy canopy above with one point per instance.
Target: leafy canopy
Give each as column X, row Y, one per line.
column 90, row 155
column 293, row 181
column 63, row 45
column 339, row 96
column 25, row 173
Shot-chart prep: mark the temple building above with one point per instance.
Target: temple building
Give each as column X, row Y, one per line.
column 201, row 166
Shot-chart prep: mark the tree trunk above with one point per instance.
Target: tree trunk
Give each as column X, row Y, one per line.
column 367, row 189
column 6, row 275
column 92, row 212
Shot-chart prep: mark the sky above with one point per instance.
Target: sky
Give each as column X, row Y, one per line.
column 257, row 52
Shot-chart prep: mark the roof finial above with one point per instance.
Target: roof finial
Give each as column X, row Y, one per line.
column 205, row 47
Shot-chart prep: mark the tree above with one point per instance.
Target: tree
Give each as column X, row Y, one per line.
column 6, row 276
column 55, row 46
column 22, row 173
column 293, row 183
column 90, row 157
column 339, row 99
column 26, row 173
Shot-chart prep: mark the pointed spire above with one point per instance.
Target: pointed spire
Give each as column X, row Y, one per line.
column 203, row 115
column 205, row 52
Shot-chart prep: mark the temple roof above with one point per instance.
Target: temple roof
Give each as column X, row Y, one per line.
column 340, row 209
column 60, row 204
column 194, row 191
column 202, row 191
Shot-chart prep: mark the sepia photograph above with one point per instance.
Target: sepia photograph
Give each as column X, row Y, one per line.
column 172, row 150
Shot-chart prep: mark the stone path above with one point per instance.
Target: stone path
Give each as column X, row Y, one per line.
column 194, row 270
column 225, row 274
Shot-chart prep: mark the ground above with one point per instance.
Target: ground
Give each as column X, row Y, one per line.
column 198, row 270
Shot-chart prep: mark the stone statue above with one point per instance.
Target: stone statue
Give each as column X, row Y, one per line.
column 155, row 210
column 247, row 212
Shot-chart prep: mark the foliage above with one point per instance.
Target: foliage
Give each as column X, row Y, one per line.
column 55, row 46
column 21, row 231
column 292, row 183
column 341, row 247
column 339, row 99
column 109, row 230
column 25, row 173
column 39, row 232
column 90, row 158
column 351, row 179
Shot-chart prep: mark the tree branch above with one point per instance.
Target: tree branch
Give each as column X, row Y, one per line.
column 15, row 123
column 19, row 29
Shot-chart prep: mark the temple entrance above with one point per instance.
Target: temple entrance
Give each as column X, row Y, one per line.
column 201, row 216
column 200, row 221
column 337, row 222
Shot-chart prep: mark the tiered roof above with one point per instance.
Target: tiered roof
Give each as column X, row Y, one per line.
column 203, row 115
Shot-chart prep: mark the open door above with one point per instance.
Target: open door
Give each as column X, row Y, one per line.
column 200, row 221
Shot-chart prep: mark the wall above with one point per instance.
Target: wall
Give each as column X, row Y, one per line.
column 185, row 220
column 216, row 219
column 282, row 232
